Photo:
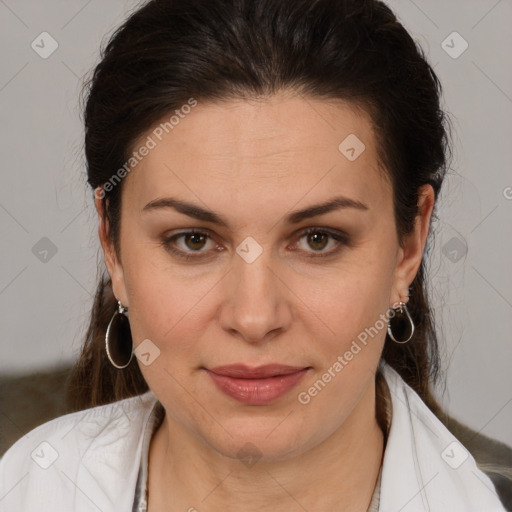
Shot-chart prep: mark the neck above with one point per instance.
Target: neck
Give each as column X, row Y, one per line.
column 338, row 474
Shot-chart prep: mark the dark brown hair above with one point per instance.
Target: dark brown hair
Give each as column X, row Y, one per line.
column 356, row 50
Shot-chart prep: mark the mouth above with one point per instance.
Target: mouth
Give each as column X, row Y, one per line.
column 256, row 386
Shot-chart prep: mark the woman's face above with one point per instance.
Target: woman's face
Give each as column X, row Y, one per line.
column 252, row 287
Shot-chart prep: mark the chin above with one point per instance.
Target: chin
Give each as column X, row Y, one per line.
column 264, row 442
column 249, row 450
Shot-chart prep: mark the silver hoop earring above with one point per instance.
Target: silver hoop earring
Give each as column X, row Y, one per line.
column 120, row 349
column 403, row 314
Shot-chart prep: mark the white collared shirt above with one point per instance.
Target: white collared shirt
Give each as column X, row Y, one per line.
column 90, row 461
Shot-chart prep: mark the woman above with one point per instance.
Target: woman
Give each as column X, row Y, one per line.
column 265, row 173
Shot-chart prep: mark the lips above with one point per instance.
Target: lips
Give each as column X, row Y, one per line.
column 256, row 386
column 241, row 371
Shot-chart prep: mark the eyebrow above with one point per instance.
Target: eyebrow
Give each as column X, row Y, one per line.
column 294, row 217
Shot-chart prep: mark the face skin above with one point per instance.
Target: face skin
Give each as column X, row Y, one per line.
column 254, row 163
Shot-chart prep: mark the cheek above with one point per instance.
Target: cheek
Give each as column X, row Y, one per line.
column 353, row 310
column 166, row 307
column 162, row 296
column 351, row 300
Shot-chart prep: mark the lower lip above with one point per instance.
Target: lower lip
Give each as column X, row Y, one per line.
column 257, row 391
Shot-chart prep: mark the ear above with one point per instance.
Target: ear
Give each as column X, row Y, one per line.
column 410, row 255
column 112, row 261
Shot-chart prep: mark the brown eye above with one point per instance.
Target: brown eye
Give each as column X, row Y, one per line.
column 189, row 244
column 195, row 241
column 317, row 240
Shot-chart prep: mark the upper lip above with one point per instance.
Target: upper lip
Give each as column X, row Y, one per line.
column 242, row 371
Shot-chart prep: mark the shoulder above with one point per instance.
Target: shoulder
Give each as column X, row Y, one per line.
column 96, row 450
column 425, row 466
column 76, row 431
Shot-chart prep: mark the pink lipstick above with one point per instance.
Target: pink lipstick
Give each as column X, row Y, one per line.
column 256, row 386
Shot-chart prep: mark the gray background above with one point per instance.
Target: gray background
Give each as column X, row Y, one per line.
column 45, row 297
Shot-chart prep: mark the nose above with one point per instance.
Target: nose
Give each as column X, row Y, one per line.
column 257, row 304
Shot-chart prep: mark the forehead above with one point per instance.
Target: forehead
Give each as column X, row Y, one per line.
column 256, row 151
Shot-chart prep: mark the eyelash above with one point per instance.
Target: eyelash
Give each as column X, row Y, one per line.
column 339, row 237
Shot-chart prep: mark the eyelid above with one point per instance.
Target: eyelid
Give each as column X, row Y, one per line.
column 167, row 240
column 340, row 236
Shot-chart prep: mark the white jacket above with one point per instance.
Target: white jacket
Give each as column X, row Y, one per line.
column 89, row 461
